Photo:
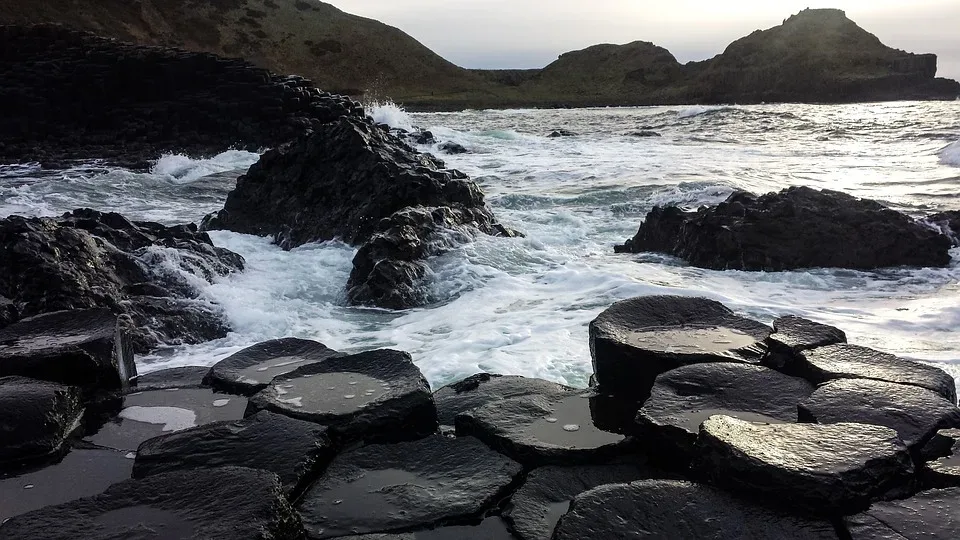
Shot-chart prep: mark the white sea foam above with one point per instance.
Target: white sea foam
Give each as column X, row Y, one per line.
column 950, row 154
column 697, row 110
column 182, row 169
column 389, row 113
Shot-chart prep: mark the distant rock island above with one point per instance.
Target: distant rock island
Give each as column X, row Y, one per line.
column 817, row 55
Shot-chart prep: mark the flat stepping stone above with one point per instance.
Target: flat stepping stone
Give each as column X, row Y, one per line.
column 81, row 473
column 927, row 515
column 181, row 377
column 824, row 468
column 915, row 413
column 153, row 413
column 855, row 362
column 546, row 494
column 84, row 348
column 482, row 388
column 225, row 503
column 35, row 418
column 251, row 370
column 942, row 470
column 383, row 488
column 635, row 340
column 792, row 335
column 558, row 429
column 492, row 528
column 377, row 395
column 678, row 509
column 295, row 450
column 684, row 398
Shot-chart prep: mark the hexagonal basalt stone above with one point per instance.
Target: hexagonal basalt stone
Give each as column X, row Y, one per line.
column 942, row 469
column 482, row 388
column 926, row 515
column 634, row 341
column 383, row 488
column 375, row 396
column 915, row 413
column 251, row 370
column 823, row 468
column 681, row 510
column 685, row 397
column 793, row 335
column 181, row 377
column 35, row 418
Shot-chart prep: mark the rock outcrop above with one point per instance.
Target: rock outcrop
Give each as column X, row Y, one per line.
column 798, row 227
column 35, row 418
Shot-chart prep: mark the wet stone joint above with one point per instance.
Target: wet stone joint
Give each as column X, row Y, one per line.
column 699, row 423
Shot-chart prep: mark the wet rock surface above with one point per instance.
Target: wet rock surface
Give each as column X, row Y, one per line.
column 948, row 222
column 793, row 335
column 823, row 468
column 382, row 488
column 492, row 528
column 915, row 413
column 482, row 388
column 677, row 509
column 251, row 370
column 377, row 395
column 635, row 340
column 182, row 377
column 942, row 456
column 684, row 398
column 798, row 227
column 224, row 503
column 35, row 418
column 929, row 514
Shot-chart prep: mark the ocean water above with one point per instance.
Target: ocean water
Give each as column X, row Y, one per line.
column 521, row 306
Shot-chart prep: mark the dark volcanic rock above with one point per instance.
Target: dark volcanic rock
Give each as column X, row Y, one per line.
column 646, row 133
column 824, row 468
column 793, row 335
column 377, row 395
column 948, row 223
column 482, row 388
column 942, row 467
column 452, row 148
column 927, row 515
column 218, row 504
column 681, row 510
column 384, row 488
column 915, row 413
column 129, row 104
column 683, row 398
column 798, row 227
column 855, row 362
column 491, row 528
column 546, row 494
column 8, row 311
column 250, row 370
column 35, row 417
column 561, row 133
column 88, row 259
column 181, row 377
column 84, row 348
column 295, row 450
column 635, row 340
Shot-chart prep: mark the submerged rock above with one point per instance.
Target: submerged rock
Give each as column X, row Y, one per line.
column 930, row 514
column 382, row 488
column 798, row 227
column 792, row 335
column 831, row 469
column 452, row 148
column 251, row 370
column 35, row 418
column 677, row 509
column 635, row 340
column 482, row 388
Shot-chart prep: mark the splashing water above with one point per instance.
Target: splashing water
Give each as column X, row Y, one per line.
column 389, row 113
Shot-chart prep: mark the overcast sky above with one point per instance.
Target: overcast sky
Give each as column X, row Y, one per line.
column 532, row 33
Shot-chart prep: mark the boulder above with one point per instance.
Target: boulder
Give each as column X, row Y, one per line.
column 793, row 335
column 930, row 514
column 854, row 362
column 250, row 370
column 295, row 450
column 915, row 413
column 223, row 503
column 482, row 388
column 383, row 488
column 561, row 133
column 685, row 397
column 181, row 377
column 452, row 148
column 942, row 467
column 798, row 227
column 376, row 396
column 645, row 133
column 635, row 340
column 84, row 348
column 678, row 509
column 35, row 418
column 835, row 468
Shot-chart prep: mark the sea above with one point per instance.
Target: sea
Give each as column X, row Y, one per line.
column 521, row 306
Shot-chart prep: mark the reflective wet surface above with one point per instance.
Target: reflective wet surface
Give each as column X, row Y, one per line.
column 691, row 340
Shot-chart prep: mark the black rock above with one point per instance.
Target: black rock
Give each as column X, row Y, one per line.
column 482, row 388
column 376, row 396
column 452, row 148
column 491, row 528
column 8, row 311
column 250, row 370
column 181, row 377
column 942, row 467
column 383, row 488
column 547, row 492
column 927, row 515
column 833, row 468
column 645, row 133
column 84, row 348
column 684, row 398
column 635, row 340
column 561, row 133
column 798, row 227
column 295, row 450
column 225, row 503
column 948, row 223
column 854, row 362
column 915, row 413
column 677, row 509
column 35, row 418
column 793, row 335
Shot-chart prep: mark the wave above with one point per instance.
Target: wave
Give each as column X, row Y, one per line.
column 950, row 154
column 389, row 113
column 181, row 169
column 698, row 110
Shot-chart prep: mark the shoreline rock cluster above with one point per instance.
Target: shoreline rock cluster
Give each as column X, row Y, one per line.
column 701, row 423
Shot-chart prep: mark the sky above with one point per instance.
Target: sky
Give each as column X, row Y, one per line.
column 532, row 33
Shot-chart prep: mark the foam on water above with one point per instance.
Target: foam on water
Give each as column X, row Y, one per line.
column 950, row 155
column 181, row 169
